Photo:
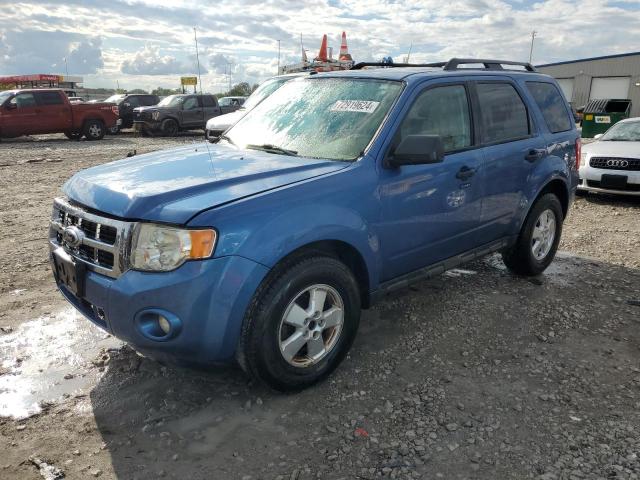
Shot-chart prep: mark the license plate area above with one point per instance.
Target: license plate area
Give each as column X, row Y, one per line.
column 613, row 181
column 69, row 272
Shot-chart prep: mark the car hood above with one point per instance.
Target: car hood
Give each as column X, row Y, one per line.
column 222, row 122
column 613, row 149
column 174, row 185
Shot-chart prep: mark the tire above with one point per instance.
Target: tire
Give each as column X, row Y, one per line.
column 287, row 293
column 73, row 135
column 169, row 127
column 94, row 130
column 535, row 249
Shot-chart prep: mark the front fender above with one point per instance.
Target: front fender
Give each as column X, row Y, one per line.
column 341, row 206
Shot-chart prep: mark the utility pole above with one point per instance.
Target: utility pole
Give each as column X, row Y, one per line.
column 195, row 36
column 278, row 72
column 533, row 36
column 230, row 65
column 66, row 67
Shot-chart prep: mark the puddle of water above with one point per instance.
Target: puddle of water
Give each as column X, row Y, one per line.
column 38, row 355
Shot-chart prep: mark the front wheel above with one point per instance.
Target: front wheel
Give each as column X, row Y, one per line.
column 300, row 324
column 170, row 128
column 538, row 240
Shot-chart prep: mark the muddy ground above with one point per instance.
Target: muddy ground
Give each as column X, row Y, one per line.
column 475, row 374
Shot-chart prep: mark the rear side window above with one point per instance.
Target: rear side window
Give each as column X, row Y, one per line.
column 208, row 101
column 502, row 113
column 49, row 98
column 551, row 105
column 148, row 101
column 442, row 111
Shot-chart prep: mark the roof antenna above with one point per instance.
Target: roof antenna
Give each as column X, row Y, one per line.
column 201, row 99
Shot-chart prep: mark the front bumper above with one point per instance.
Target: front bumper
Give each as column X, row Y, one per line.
column 591, row 177
column 149, row 125
column 209, row 298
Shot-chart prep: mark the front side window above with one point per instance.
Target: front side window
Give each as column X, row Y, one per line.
column 502, row 113
column 332, row 118
column 190, row 103
column 171, row 101
column 133, row 101
column 51, row 98
column 551, row 105
column 24, row 100
column 442, row 111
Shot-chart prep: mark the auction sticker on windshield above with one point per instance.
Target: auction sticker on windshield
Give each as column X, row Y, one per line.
column 366, row 106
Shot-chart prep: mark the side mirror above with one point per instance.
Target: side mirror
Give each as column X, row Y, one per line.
column 417, row 150
column 598, row 136
column 126, row 104
column 11, row 106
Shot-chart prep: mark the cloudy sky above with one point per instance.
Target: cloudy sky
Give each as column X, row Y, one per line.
column 149, row 43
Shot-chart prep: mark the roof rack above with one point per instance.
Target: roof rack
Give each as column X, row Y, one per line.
column 453, row 64
column 361, row 65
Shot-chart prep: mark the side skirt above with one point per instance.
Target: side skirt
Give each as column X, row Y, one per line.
column 429, row 271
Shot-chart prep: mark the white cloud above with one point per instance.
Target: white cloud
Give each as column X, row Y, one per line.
column 146, row 43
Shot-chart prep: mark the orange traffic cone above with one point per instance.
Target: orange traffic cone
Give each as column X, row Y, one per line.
column 322, row 54
column 345, row 56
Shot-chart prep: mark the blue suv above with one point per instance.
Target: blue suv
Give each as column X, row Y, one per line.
column 340, row 187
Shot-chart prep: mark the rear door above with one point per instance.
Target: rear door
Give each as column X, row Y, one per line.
column 211, row 107
column 512, row 146
column 557, row 121
column 53, row 113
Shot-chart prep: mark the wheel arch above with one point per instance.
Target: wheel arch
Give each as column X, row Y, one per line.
column 559, row 188
column 340, row 250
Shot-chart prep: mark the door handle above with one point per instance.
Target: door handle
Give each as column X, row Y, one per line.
column 535, row 154
column 465, row 173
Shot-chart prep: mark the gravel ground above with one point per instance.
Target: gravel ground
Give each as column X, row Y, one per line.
column 476, row 374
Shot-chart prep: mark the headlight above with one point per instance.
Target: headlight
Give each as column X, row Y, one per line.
column 159, row 248
column 583, row 159
column 155, row 115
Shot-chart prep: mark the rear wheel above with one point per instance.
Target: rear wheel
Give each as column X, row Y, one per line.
column 170, row 127
column 94, row 130
column 300, row 324
column 538, row 240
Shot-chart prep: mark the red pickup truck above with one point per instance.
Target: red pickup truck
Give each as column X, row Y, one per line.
column 35, row 111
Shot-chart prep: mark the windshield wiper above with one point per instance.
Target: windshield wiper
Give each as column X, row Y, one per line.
column 272, row 149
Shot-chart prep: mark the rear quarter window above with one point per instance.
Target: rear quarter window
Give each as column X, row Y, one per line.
column 503, row 114
column 552, row 106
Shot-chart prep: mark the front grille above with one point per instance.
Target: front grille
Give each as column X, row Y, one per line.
column 615, row 163
column 103, row 242
column 629, row 187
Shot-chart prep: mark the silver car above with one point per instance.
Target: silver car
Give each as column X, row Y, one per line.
column 611, row 164
column 217, row 125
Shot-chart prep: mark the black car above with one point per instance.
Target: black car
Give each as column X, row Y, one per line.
column 126, row 103
column 175, row 113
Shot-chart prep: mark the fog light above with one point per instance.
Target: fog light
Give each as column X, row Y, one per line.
column 157, row 324
column 164, row 324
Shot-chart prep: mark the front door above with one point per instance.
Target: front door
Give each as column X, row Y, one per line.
column 21, row 115
column 430, row 212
